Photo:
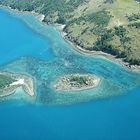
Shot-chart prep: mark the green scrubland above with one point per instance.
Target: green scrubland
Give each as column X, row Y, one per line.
column 111, row 26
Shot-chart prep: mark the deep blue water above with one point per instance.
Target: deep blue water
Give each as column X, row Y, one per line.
column 28, row 46
column 117, row 118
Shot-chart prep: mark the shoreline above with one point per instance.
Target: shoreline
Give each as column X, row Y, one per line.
column 39, row 16
column 60, row 27
column 110, row 57
column 23, row 81
column 134, row 68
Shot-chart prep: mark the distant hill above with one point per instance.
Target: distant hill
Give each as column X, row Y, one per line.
column 111, row 26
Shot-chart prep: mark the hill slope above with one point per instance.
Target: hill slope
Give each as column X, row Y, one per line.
column 111, row 26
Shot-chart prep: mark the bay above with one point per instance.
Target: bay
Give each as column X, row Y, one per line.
column 31, row 47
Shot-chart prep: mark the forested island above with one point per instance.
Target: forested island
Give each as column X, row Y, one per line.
column 110, row 26
column 9, row 82
column 76, row 82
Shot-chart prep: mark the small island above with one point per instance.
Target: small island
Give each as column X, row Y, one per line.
column 9, row 82
column 76, row 82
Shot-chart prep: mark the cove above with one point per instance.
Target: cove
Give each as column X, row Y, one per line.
column 23, row 40
column 18, row 40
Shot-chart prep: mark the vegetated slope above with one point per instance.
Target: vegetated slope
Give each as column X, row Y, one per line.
column 111, row 26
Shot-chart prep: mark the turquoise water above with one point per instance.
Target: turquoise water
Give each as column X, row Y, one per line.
column 18, row 40
column 30, row 47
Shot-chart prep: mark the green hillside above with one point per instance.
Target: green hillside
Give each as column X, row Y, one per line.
column 111, row 26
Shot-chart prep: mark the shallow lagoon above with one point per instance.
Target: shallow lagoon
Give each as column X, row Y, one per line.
column 28, row 46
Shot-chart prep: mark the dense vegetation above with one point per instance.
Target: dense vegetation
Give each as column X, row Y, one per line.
column 109, row 1
column 136, row 25
column 55, row 10
column 111, row 26
column 103, row 43
column 5, row 81
column 134, row 17
column 79, row 79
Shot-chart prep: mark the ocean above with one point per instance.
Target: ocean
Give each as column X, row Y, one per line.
column 108, row 112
